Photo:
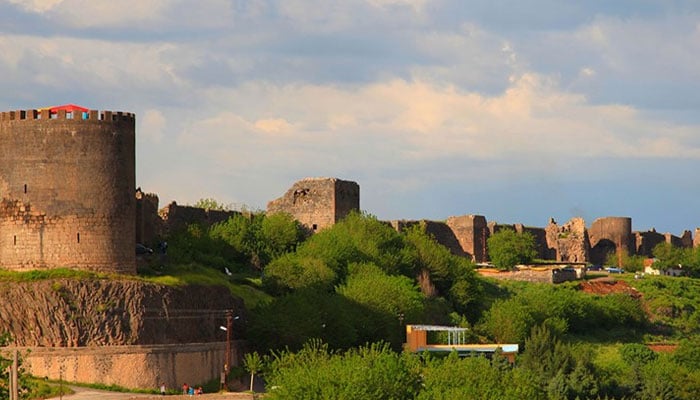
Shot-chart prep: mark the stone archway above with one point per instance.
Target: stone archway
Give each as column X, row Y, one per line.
column 599, row 252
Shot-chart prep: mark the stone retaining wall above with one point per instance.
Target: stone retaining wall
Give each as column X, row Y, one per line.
column 131, row 366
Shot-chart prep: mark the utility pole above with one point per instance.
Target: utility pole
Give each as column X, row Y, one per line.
column 229, row 327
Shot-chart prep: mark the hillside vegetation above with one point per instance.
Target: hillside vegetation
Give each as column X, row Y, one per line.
column 323, row 306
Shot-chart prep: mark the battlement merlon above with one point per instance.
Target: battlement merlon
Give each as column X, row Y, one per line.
column 46, row 114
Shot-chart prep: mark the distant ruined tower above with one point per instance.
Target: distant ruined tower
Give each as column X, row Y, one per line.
column 472, row 232
column 610, row 235
column 67, row 189
column 318, row 203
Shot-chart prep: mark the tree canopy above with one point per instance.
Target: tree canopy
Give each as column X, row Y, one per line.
column 508, row 248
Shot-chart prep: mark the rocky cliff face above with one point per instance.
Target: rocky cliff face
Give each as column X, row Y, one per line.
column 69, row 313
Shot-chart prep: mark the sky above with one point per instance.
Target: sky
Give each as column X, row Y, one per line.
column 520, row 111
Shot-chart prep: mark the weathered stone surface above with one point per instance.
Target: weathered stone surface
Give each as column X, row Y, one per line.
column 471, row 232
column 71, row 313
column 610, row 235
column 144, row 367
column 569, row 242
column 67, row 190
column 318, row 203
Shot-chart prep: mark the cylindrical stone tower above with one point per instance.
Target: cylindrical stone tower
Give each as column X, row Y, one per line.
column 610, row 235
column 67, row 190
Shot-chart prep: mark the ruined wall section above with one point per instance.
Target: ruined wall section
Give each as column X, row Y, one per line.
column 175, row 217
column 646, row 241
column 569, row 242
column 440, row 231
column 687, row 239
column 149, row 225
column 318, row 203
column 471, row 232
column 540, row 237
column 610, row 235
column 696, row 240
column 67, row 190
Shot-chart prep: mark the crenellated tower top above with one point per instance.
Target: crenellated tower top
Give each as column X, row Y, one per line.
column 66, row 112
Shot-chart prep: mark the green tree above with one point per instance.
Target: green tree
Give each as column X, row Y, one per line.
column 358, row 238
column 369, row 372
column 253, row 363
column 392, row 300
column 452, row 276
column 293, row 319
column 453, row 377
column 631, row 263
column 280, row 233
column 509, row 321
column 292, row 271
column 508, row 248
column 211, row 204
column 668, row 255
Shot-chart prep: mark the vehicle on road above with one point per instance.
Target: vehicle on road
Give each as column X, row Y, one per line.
column 615, row 270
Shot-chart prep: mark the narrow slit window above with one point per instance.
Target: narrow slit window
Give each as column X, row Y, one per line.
column 78, row 237
column 25, row 188
column 15, row 240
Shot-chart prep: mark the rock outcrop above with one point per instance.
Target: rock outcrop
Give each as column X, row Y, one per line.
column 101, row 312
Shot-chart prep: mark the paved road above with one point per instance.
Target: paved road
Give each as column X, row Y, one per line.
column 82, row 393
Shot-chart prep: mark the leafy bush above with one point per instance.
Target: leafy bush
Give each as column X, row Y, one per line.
column 508, row 248
column 392, row 300
column 636, row 354
column 562, row 309
column 369, row 372
column 292, row 271
column 293, row 319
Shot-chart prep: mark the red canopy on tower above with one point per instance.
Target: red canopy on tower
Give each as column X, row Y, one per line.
column 67, row 107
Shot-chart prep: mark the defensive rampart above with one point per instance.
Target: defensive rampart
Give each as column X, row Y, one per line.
column 67, row 190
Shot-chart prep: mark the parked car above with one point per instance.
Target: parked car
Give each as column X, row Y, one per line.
column 593, row 268
column 615, row 270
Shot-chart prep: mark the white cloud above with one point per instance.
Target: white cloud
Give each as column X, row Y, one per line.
column 152, row 125
column 397, row 123
column 37, row 6
column 63, row 61
column 416, row 5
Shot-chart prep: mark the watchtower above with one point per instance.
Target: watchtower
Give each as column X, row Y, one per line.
column 318, row 203
column 67, row 177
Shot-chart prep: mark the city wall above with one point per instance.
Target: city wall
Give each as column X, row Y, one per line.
column 144, row 367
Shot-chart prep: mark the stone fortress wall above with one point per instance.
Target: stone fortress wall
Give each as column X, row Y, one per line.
column 318, row 202
column 92, row 219
column 313, row 201
column 68, row 199
column 67, row 190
